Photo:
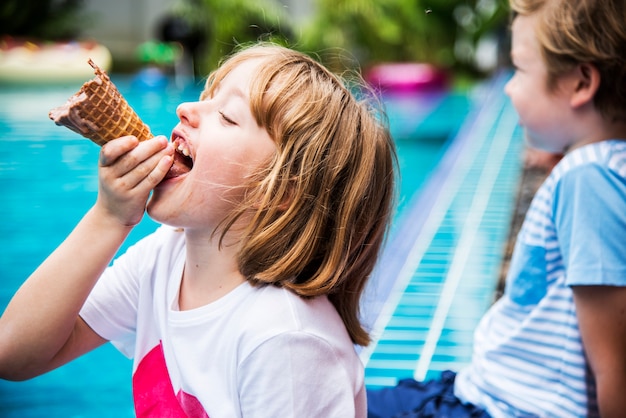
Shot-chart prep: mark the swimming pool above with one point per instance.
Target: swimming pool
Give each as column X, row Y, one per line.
column 48, row 180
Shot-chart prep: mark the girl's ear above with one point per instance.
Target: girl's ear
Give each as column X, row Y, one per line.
column 288, row 198
column 587, row 83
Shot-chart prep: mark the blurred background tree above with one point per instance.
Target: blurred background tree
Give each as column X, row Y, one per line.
column 447, row 33
column 42, row 19
column 225, row 24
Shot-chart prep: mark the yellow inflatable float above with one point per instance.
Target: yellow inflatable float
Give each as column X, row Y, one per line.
column 28, row 62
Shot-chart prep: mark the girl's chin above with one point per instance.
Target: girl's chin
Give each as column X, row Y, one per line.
column 164, row 189
column 157, row 208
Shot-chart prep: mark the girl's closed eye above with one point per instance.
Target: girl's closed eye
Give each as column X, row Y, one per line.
column 226, row 118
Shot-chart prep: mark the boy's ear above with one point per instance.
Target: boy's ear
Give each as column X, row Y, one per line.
column 587, row 84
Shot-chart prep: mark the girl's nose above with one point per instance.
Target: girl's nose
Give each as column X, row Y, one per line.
column 188, row 113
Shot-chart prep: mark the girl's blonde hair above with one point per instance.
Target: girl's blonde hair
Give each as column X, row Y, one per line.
column 322, row 206
column 571, row 32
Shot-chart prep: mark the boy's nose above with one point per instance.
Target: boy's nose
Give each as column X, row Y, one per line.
column 507, row 88
column 188, row 114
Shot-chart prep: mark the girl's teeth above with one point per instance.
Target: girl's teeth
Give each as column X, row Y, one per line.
column 180, row 146
column 183, row 149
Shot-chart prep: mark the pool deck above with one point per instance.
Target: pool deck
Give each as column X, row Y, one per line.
column 439, row 272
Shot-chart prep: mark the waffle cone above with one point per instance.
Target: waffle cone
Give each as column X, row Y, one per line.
column 99, row 112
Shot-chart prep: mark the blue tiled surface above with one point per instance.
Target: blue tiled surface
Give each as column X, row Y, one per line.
column 443, row 262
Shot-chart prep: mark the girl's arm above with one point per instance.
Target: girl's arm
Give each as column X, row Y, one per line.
column 40, row 328
column 601, row 314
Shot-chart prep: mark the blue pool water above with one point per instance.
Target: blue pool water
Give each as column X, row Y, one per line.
column 48, row 180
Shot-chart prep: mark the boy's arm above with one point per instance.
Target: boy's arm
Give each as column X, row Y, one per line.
column 601, row 314
column 40, row 328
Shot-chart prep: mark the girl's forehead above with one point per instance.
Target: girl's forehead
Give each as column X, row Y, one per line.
column 238, row 74
column 243, row 71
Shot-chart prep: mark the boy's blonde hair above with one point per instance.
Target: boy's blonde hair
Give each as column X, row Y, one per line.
column 571, row 32
column 322, row 206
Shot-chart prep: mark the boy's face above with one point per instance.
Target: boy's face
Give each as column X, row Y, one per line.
column 545, row 115
column 226, row 145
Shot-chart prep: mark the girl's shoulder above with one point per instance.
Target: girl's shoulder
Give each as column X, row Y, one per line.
column 273, row 303
column 274, row 311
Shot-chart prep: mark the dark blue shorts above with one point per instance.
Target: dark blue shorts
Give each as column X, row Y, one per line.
column 413, row 399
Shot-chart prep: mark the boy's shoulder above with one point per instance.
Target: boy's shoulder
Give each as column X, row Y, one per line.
column 607, row 155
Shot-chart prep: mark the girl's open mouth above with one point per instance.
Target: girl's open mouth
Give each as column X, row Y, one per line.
column 183, row 162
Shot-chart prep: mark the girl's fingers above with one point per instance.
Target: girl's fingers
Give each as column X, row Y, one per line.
column 126, row 182
column 126, row 154
column 147, row 174
column 160, row 171
column 111, row 151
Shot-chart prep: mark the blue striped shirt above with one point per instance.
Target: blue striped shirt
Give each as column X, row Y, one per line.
column 528, row 356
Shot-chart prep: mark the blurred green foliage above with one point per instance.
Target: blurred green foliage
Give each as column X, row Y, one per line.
column 363, row 32
column 442, row 32
column 225, row 24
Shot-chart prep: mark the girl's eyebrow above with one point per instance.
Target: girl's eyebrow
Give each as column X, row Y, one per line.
column 232, row 90
column 238, row 92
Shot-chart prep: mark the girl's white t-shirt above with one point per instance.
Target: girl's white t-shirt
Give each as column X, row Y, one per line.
column 256, row 352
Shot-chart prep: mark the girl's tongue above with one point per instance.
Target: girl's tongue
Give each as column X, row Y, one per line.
column 180, row 166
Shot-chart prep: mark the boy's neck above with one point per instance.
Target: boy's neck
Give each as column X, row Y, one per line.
column 618, row 130
column 596, row 129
